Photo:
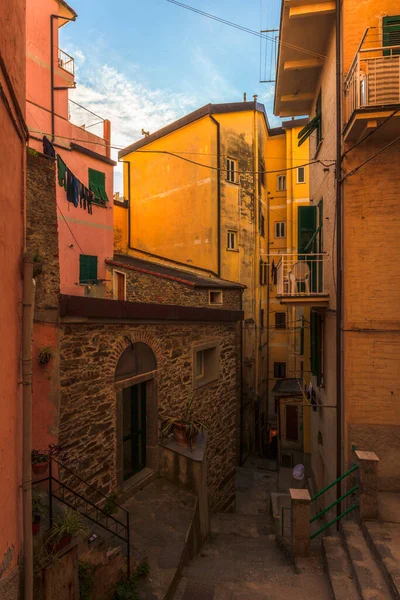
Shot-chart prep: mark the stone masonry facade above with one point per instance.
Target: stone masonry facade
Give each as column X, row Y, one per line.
column 146, row 287
column 89, row 354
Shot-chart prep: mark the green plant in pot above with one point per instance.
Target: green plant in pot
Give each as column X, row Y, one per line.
column 64, row 528
column 37, row 263
column 185, row 427
column 40, row 459
column 45, row 355
column 38, row 510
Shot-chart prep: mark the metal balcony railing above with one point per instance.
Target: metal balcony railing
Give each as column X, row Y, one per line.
column 300, row 275
column 373, row 79
column 85, row 118
column 66, row 62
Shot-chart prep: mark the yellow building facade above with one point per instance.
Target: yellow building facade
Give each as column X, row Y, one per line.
column 355, row 343
column 203, row 194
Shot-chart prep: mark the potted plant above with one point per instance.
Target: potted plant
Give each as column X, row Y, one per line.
column 38, row 510
column 45, row 355
column 40, row 459
column 65, row 527
column 184, row 427
column 38, row 263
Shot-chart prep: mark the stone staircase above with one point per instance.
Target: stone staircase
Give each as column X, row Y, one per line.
column 364, row 561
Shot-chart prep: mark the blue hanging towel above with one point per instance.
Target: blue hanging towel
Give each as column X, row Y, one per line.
column 48, row 148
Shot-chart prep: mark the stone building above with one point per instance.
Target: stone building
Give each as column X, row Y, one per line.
column 118, row 361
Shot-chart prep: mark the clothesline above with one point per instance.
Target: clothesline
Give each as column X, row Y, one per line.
column 77, row 192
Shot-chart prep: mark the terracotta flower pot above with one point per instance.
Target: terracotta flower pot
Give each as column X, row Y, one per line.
column 181, row 438
column 61, row 544
column 35, row 525
column 40, row 468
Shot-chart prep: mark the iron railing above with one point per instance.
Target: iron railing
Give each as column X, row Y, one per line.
column 85, row 118
column 374, row 75
column 328, row 508
column 66, row 62
column 63, row 492
column 300, row 275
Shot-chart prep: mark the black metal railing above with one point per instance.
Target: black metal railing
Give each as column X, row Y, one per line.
column 66, row 494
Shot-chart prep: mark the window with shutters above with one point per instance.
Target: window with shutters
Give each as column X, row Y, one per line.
column 391, row 34
column 87, row 268
column 261, row 222
column 279, row 370
column 261, row 317
column 263, row 272
column 97, row 184
column 231, row 170
column 261, row 171
column 307, row 216
column 280, row 229
column 280, row 320
column 316, row 339
column 314, row 125
column 301, row 175
column 281, row 183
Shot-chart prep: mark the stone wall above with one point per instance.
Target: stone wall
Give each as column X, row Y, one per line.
column 144, row 287
column 88, row 356
column 41, row 228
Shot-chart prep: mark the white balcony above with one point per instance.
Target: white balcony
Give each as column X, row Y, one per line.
column 372, row 85
column 300, row 281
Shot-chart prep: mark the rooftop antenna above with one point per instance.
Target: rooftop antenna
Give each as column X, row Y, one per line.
column 244, row 97
column 145, row 133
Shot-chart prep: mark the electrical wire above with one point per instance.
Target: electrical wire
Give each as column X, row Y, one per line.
column 245, row 29
column 354, row 171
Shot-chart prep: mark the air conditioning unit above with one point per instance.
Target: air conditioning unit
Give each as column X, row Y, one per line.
column 96, row 290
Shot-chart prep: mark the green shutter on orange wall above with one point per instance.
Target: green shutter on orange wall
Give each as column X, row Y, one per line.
column 391, row 34
column 307, row 219
column 97, row 184
column 87, row 268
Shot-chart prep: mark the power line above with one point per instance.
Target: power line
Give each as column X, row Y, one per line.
column 373, row 131
column 354, row 171
column 245, row 29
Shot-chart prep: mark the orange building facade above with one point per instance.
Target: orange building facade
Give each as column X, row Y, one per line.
column 12, row 163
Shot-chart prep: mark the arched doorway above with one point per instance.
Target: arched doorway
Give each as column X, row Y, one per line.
column 136, row 411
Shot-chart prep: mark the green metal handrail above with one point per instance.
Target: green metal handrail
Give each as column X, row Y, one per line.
column 328, row 487
column 346, row 512
column 325, row 510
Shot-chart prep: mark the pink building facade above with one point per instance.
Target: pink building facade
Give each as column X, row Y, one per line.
column 12, row 235
column 49, row 76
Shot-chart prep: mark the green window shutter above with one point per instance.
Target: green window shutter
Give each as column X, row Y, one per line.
column 391, row 34
column 314, row 125
column 307, row 218
column 87, row 268
column 97, row 184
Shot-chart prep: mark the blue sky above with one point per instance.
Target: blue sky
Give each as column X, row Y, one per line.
column 145, row 64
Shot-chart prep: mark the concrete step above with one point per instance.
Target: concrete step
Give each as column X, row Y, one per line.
column 389, row 507
column 384, row 541
column 339, row 569
column 242, row 525
column 368, row 576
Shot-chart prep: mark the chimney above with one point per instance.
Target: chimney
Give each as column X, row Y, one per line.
column 244, row 97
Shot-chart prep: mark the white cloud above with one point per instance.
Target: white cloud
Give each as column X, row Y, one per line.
column 129, row 105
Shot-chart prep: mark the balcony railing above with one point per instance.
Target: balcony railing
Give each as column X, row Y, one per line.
column 85, row 118
column 300, row 275
column 373, row 79
column 66, row 62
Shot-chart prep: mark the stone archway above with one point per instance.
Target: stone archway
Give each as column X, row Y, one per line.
column 136, row 402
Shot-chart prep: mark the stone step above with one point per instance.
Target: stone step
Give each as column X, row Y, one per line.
column 384, row 541
column 243, row 525
column 370, row 581
column 339, row 569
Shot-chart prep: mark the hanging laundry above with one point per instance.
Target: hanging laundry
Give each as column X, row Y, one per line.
column 72, row 188
column 82, row 189
column 62, row 172
column 48, row 148
column 90, row 201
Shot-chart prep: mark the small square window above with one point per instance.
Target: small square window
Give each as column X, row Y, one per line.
column 280, row 320
column 205, row 364
column 279, row 370
column 215, row 297
column 231, row 170
column 301, row 175
column 232, row 241
column 280, row 229
column 281, row 183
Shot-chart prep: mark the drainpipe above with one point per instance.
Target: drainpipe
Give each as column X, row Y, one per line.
column 218, row 193
column 127, row 162
column 52, row 17
column 27, row 325
column 339, row 258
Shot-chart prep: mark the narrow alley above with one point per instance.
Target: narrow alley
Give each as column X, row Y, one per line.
column 241, row 560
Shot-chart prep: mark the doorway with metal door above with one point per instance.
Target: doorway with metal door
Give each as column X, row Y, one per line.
column 134, row 429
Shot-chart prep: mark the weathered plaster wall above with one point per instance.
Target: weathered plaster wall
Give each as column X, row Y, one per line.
column 12, row 197
column 89, row 354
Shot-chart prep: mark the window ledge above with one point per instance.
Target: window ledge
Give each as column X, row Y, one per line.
column 232, row 249
column 232, row 182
